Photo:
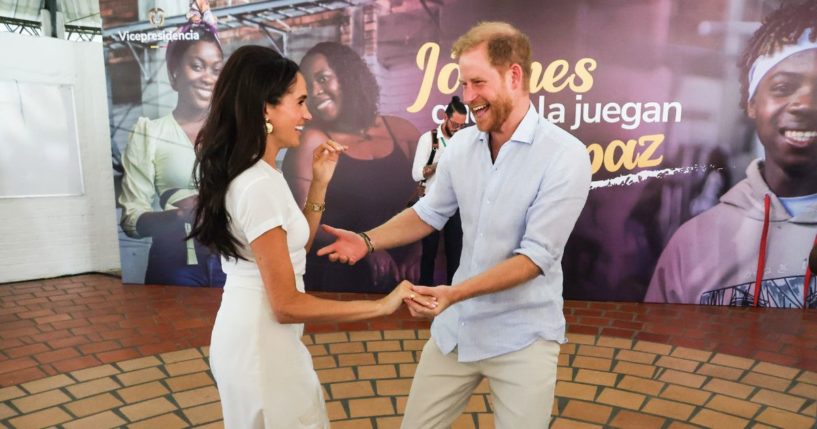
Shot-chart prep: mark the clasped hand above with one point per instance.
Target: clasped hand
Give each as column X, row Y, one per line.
column 349, row 248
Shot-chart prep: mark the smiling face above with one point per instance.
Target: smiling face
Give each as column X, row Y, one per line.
column 289, row 115
column 324, row 90
column 196, row 75
column 784, row 109
column 454, row 123
column 486, row 89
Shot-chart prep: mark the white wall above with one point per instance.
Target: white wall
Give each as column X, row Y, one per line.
column 52, row 236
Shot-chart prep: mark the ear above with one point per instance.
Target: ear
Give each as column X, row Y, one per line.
column 751, row 108
column 172, row 79
column 267, row 110
column 516, row 75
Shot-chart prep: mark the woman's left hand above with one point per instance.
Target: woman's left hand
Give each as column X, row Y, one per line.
column 438, row 298
column 325, row 159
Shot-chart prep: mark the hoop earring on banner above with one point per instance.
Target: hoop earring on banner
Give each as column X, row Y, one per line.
column 268, row 128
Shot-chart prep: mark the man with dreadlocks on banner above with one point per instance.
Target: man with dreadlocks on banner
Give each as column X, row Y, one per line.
column 752, row 248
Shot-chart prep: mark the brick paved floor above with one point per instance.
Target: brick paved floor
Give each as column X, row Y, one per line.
column 86, row 351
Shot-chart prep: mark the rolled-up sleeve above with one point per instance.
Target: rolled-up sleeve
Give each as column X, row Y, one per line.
column 138, row 189
column 440, row 201
column 556, row 208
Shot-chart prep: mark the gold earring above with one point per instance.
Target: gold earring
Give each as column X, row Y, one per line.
column 268, row 126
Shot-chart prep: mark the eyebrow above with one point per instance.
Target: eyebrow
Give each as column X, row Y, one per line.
column 198, row 58
column 787, row 74
column 471, row 79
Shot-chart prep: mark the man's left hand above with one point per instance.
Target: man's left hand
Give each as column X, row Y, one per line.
column 443, row 296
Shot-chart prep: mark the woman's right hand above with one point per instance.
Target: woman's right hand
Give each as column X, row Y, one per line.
column 324, row 160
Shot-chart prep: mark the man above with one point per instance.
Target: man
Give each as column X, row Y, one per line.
column 752, row 248
column 430, row 148
column 520, row 184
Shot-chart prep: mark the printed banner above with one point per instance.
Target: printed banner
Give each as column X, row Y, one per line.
column 679, row 197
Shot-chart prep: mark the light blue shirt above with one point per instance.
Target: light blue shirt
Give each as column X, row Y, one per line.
column 525, row 203
column 798, row 205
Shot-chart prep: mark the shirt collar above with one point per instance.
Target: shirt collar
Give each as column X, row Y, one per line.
column 526, row 130
column 440, row 136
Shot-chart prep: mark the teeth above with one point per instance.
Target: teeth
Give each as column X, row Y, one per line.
column 300, row 128
column 800, row 135
column 480, row 107
column 324, row 103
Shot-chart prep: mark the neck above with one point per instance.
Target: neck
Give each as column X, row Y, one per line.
column 271, row 152
column 520, row 109
column 789, row 183
column 346, row 128
column 186, row 114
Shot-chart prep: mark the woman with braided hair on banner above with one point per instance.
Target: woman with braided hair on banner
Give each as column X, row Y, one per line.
column 373, row 179
column 158, row 164
column 752, row 248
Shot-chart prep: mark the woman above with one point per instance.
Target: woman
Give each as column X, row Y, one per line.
column 246, row 212
column 373, row 180
column 158, row 162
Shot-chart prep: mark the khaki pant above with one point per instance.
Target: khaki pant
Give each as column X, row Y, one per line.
column 522, row 384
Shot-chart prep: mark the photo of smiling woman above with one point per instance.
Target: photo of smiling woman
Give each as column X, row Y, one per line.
column 158, row 164
column 373, row 178
column 752, row 248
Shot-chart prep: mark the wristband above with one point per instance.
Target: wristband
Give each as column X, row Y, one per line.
column 368, row 241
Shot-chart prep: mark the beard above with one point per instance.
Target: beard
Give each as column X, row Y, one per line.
column 500, row 110
column 446, row 130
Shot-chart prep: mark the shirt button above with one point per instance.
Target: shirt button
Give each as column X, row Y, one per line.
column 462, row 323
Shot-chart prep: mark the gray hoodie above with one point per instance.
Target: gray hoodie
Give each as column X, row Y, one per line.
column 713, row 258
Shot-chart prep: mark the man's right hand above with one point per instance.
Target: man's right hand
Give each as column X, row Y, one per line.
column 348, row 247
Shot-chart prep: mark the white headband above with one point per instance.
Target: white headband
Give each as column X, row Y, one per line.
column 764, row 63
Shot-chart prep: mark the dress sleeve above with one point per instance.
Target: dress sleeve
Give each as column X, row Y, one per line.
column 260, row 208
column 138, row 189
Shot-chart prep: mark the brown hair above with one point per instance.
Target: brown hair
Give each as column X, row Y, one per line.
column 233, row 137
column 505, row 44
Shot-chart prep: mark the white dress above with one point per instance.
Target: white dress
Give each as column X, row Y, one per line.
column 263, row 371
